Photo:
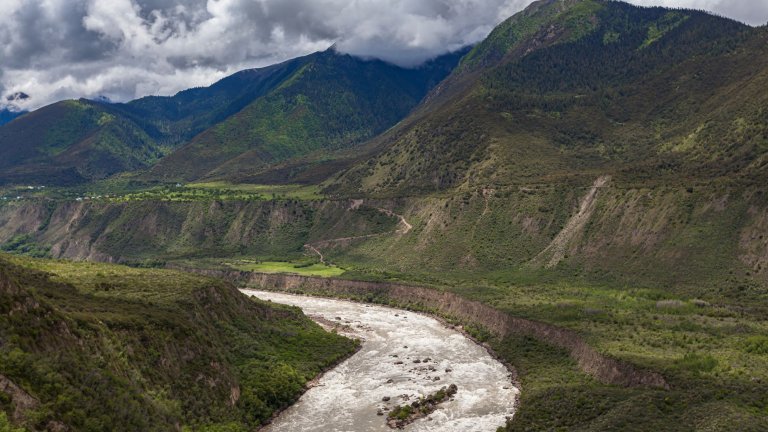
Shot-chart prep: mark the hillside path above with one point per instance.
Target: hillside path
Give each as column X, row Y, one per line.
column 404, row 228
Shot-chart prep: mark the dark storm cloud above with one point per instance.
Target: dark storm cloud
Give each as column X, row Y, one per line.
column 34, row 29
column 54, row 49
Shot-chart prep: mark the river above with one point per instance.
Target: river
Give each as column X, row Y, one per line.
column 347, row 398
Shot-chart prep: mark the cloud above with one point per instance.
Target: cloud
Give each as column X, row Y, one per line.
column 123, row 49
column 753, row 12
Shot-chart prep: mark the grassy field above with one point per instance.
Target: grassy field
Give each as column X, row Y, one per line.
column 299, row 192
column 300, row 268
column 124, row 189
column 713, row 355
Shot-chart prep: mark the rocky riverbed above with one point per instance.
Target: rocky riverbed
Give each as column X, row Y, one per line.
column 404, row 356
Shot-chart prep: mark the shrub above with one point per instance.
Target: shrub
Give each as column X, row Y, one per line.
column 697, row 363
column 757, row 345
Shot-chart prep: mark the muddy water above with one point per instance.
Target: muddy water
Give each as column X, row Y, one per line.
column 347, row 398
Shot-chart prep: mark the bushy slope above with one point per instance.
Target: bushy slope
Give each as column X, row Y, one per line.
column 176, row 119
column 92, row 347
column 573, row 87
column 70, row 141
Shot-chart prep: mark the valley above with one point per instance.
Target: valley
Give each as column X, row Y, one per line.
column 583, row 193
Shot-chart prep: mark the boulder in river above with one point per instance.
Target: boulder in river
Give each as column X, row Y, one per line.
column 403, row 415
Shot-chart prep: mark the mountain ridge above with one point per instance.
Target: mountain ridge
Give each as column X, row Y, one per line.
column 572, row 100
column 112, row 138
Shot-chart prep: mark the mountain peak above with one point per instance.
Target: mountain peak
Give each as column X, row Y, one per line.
column 572, row 18
column 18, row 96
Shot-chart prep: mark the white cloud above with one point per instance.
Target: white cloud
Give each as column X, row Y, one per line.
column 123, row 49
column 753, row 12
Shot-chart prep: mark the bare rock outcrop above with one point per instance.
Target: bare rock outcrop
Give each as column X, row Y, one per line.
column 22, row 401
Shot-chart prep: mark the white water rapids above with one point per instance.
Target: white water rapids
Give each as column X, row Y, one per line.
column 347, row 398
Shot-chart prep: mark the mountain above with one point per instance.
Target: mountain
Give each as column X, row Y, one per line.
column 329, row 101
column 102, row 347
column 594, row 167
column 568, row 88
column 11, row 108
column 73, row 141
column 323, row 101
column 6, row 116
column 87, row 140
column 175, row 119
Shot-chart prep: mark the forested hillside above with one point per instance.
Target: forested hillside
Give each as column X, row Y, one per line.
column 103, row 347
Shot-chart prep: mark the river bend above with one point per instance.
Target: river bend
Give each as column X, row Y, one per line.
column 404, row 355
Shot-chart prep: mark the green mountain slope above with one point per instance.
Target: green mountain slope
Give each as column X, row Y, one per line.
column 77, row 141
column 100, row 347
column 582, row 88
column 331, row 102
column 323, row 101
column 176, row 119
column 72, row 141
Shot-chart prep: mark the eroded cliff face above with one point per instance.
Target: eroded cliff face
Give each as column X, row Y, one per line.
column 661, row 236
column 604, row 368
column 692, row 238
column 126, row 232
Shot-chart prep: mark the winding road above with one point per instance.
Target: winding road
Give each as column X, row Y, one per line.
column 404, row 228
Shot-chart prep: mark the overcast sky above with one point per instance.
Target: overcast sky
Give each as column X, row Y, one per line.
column 124, row 49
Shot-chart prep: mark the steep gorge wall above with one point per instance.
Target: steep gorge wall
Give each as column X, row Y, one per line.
column 693, row 238
column 133, row 231
column 665, row 236
column 605, row 369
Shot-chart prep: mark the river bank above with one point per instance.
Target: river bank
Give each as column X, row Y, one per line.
column 605, row 369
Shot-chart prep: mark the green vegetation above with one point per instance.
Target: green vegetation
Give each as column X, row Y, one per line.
column 400, row 412
column 105, row 347
column 401, row 415
column 82, row 140
column 518, row 29
column 6, row 425
column 712, row 355
column 127, row 189
column 666, row 24
column 664, row 267
column 299, row 192
column 23, row 244
column 578, row 89
column 300, row 268
column 320, row 102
